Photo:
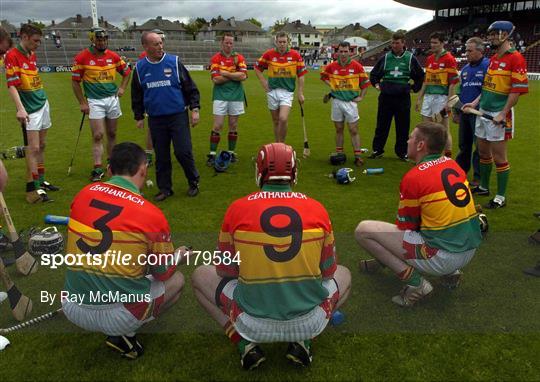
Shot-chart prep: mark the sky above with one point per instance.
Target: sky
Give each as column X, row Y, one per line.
column 389, row 13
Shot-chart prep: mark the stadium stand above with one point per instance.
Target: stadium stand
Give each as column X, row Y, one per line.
column 466, row 19
column 191, row 52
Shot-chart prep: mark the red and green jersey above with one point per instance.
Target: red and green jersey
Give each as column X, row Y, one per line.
column 282, row 68
column 345, row 81
column 98, row 72
column 230, row 90
column 286, row 247
column 441, row 72
column 22, row 72
column 506, row 74
column 113, row 218
column 435, row 200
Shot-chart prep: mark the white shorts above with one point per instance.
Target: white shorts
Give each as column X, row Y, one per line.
column 433, row 103
column 228, row 107
column 105, row 108
column 307, row 326
column 492, row 132
column 432, row 261
column 279, row 97
column 344, row 111
column 39, row 120
column 113, row 319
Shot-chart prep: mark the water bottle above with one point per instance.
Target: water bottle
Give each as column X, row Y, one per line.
column 337, row 318
column 374, row 171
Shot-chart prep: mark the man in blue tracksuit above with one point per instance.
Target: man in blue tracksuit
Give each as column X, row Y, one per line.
column 472, row 78
column 163, row 89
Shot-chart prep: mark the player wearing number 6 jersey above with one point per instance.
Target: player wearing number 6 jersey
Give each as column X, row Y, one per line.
column 286, row 283
column 437, row 229
column 119, row 294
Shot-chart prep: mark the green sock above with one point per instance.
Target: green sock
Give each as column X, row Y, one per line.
column 214, row 141
column 232, row 137
column 485, row 173
column 242, row 345
column 503, row 172
column 410, row 276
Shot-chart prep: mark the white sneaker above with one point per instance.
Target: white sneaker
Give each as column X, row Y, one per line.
column 452, row 280
column 409, row 295
column 3, row 296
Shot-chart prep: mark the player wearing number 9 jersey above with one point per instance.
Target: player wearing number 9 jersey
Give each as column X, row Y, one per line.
column 286, row 283
column 130, row 277
column 437, row 229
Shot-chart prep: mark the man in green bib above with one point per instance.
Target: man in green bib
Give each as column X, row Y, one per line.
column 391, row 76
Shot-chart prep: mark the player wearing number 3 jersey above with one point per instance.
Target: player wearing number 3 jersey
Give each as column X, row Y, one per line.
column 437, row 229
column 118, row 295
column 287, row 282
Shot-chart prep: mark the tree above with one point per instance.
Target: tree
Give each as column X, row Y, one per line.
column 215, row 21
column 278, row 24
column 126, row 23
column 255, row 21
column 37, row 24
column 201, row 21
column 193, row 28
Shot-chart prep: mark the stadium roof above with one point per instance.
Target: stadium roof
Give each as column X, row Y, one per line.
column 232, row 25
column 434, row 5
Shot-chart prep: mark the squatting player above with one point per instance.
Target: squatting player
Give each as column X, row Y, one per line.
column 286, row 281
column 439, row 84
column 349, row 83
column 118, row 297
column 26, row 91
column 228, row 69
column 284, row 66
column 505, row 81
column 96, row 68
column 437, row 229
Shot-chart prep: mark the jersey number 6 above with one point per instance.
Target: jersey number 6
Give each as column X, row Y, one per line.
column 452, row 190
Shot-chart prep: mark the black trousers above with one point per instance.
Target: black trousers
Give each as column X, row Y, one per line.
column 399, row 108
column 163, row 130
column 467, row 124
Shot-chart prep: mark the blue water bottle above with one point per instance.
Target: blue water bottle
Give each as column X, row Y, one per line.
column 374, row 171
column 337, row 318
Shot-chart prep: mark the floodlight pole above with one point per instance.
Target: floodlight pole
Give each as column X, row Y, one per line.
column 93, row 7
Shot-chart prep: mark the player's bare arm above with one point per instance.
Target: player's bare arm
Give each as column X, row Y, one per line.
column 418, row 104
column 510, row 102
column 262, row 80
column 83, row 103
column 301, row 81
column 123, row 85
column 22, row 115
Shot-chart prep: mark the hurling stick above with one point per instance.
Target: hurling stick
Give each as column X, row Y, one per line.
column 25, row 262
column 20, row 304
column 306, row 152
column 454, row 102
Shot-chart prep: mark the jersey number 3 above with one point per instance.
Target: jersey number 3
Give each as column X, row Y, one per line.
column 101, row 225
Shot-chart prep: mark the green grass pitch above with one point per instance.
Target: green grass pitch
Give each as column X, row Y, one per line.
column 488, row 329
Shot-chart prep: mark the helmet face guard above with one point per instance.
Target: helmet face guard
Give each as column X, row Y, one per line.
column 344, row 176
column 276, row 162
column 222, row 162
column 99, row 39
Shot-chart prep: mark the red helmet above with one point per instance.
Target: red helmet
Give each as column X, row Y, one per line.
column 275, row 161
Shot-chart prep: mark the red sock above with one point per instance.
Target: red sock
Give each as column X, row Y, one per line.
column 339, row 149
column 231, row 332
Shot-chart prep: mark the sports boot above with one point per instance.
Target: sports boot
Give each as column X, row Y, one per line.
column 410, row 295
